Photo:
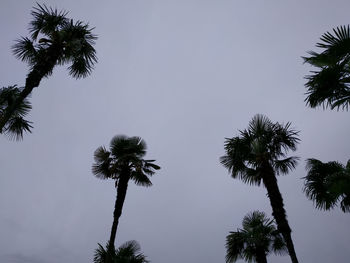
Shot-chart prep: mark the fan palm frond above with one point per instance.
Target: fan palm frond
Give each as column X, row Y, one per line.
column 330, row 85
column 102, row 166
column 25, row 50
column 16, row 126
column 129, row 252
column 46, row 21
column 326, row 184
column 285, row 165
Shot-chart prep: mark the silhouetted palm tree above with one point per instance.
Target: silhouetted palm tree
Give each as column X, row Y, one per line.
column 128, row 252
column 54, row 40
column 123, row 161
column 330, row 85
column 258, row 155
column 327, row 184
column 255, row 240
column 16, row 124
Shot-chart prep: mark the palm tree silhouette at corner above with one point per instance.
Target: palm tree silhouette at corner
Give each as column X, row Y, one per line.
column 257, row 156
column 330, row 84
column 255, row 240
column 123, row 162
column 54, row 40
column 328, row 184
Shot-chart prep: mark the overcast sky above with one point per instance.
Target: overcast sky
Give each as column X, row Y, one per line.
column 183, row 75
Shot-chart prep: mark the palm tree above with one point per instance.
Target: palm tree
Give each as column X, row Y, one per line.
column 54, row 40
column 255, row 241
column 16, row 124
column 330, row 85
column 129, row 252
column 258, row 155
column 327, row 184
column 123, row 161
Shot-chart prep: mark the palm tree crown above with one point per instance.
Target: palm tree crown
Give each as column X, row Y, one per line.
column 125, row 155
column 327, row 184
column 129, row 252
column 330, row 85
column 258, row 155
column 263, row 143
column 55, row 39
column 123, row 161
column 255, row 240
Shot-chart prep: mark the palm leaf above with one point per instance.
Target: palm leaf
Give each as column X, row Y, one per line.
column 46, row 20
column 329, row 86
column 25, row 50
column 316, row 186
column 103, row 161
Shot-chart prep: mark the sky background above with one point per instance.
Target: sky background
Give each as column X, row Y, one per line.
column 183, row 75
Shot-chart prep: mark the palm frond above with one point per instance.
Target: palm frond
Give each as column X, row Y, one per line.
column 319, row 60
column 330, row 85
column 149, row 164
column 25, row 50
column 250, row 176
column 285, row 165
column 316, row 186
column 336, row 44
column 100, row 255
column 345, row 203
column 278, row 246
column 130, row 252
column 234, row 246
column 285, row 137
column 140, row 179
column 101, row 167
column 79, row 48
column 126, row 147
column 46, row 21
column 16, row 127
column 8, row 96
column 80, row 68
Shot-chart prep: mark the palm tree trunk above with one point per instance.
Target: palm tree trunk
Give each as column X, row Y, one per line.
column 41, row 69
column 278, row 211
column 260, row 256
column 118, row 207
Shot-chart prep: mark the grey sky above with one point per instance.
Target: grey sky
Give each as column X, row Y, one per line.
column 183, row 75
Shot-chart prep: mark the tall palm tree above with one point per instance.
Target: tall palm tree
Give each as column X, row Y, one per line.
column 129, row 252
column 123, row 161
column 16, row 124
column 54, row 40
column 330, row 84
column 255, row 240
column 257, row 156
column 327, row 184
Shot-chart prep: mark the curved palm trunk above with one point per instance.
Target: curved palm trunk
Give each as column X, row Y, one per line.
column 41, row 69
column 278, row 211
column 118, row 207
column 260, row 256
